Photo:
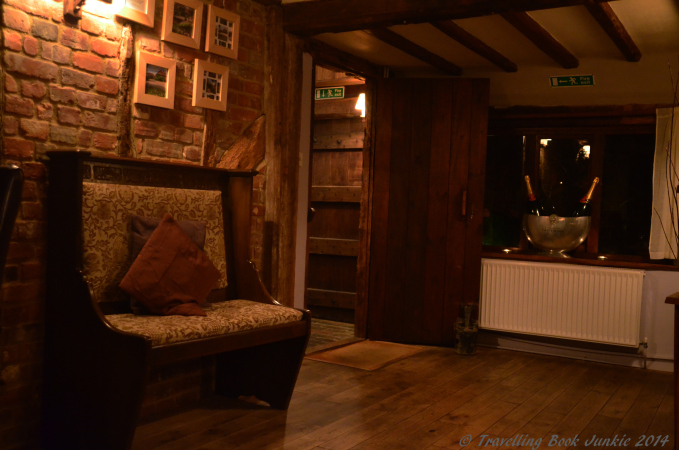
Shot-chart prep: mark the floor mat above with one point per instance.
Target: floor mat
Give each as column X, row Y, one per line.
column 366, row 355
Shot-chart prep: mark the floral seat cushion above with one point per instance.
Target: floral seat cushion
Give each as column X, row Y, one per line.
column 222, row 318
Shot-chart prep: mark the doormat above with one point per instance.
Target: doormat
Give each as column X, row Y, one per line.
column 367, row 355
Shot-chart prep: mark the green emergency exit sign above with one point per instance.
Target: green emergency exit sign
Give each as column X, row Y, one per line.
column 573, row 80
column 329, row 92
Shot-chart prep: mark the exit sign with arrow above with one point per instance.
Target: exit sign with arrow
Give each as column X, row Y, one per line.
column 573, row 80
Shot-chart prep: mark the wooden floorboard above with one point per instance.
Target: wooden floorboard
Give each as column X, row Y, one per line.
column 432, row 400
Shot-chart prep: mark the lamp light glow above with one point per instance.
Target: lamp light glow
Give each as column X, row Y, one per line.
column 360, row 104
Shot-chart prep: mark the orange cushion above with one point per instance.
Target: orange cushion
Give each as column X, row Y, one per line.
column 171, row 275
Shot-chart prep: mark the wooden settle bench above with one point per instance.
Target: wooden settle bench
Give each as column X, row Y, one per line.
column 97, row 353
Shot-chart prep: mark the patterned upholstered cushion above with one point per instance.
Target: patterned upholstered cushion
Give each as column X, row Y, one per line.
column 106, row 228
column 222, row 318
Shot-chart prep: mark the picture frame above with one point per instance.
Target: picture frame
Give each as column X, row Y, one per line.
column 140, row 11
column 223, row 29
column 182, row 22
column 210, row 85
column 154, row 80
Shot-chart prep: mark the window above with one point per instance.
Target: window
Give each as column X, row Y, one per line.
column 562, row 165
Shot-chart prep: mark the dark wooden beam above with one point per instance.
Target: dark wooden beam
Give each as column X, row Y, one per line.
column 406, row 46
column 475, row 44
column 308, row 18
column 542, row 39
column 269, row 2
column 329, row 55
column 604, row 14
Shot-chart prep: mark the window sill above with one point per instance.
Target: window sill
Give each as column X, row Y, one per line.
column 585, row 259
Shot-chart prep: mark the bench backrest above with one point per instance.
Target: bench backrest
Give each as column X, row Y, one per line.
column 106, row 212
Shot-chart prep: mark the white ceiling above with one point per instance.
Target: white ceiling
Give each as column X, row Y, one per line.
column 652, row 24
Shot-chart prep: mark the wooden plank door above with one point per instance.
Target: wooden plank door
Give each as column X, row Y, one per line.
column 426, row 223
column 336, row 178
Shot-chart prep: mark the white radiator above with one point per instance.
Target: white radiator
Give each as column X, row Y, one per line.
column 586, row 303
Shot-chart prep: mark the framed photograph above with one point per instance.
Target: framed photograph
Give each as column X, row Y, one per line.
column 223, row 28
column 140, row 11
column 210, row 83
column 182, row 22
column 154, row 80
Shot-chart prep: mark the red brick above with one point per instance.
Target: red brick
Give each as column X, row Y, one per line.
column 32, row 211
column 31, row 67
column 184, row 104
column 92, row 25
column 114, row 31
column 35, row 128
column 74, row 39
column 18, row 105
column 91, row 101
column 30, row 45
column 34, row 89
column 14, row 19
column 168, row 51
column 34, row 7
column 184, row 88
column 100, row 9
column 20, row 292
column 149, row 44
column 198, row 138
column 187, row 54
column 57, row 53
column 183, row 135
column 88, row 62
column 161, row 148
column 75, row 78
column 105, row 141
column 145, row 129
column 63, row 95
column 101, row 121
column 112, row 106
column 84, row 138
column 11, row 40
column 32, row 270
column 251, row 42
column 18, row 148
column 105, row 48
column 166, row 132
column 10, row 84
column 192, row 153
column 68, row 115
column 34, row 170
column 10, row 125
column 243, row 54
column 45, row 30
column 235, row 84
column 19, row 251
column 253, row 87
column 30, row 191
column 256, row 103
column 45, row 111
column 107, row 85
column 191, row 121
column 240, row 100
column 242, row 115
column 113, row 68
column 65, row 135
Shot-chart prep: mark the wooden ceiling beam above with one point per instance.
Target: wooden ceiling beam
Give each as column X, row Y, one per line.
column 542, row 39
column 309, row 18
column 609, row 21
column 474, row 44
column 325, row 54
column 269, row 2
column 406, row 46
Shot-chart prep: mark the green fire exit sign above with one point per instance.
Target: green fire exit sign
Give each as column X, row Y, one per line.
column 330, row 92
column 573, row 80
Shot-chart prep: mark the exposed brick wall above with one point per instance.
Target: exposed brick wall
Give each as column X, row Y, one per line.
column 61, row 89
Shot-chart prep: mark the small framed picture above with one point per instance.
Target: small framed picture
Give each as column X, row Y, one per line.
column 140, row 11
column 210, row 82
column 154, row 80
column 223, row 28
column 182, row 22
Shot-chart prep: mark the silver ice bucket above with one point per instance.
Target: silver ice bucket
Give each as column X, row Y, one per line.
column 556, row 235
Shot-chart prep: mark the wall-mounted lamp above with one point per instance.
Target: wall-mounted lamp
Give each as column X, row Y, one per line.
column 360, row 104
column 73, row 8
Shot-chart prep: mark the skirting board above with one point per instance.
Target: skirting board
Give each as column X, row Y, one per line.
column 573, row 350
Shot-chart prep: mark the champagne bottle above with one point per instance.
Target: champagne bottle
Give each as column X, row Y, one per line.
column 584, row 207
column 533, row 206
